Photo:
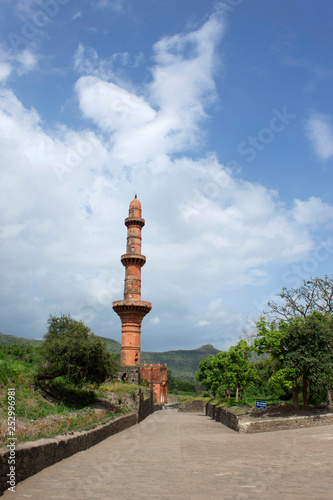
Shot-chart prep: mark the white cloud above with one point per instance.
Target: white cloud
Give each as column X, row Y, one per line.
column 320, row 133
column 155, row 321
column 20, row 62
column 115, row 5
column 203, row 322
column 5, row 71
column 88, row 62
column 27, row 61
column 77, row 15
column 174, row 105
column 313, row 212
column 64, row 195
column 111, row 107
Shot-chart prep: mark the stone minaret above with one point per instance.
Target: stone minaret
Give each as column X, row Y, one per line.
column 132, row 309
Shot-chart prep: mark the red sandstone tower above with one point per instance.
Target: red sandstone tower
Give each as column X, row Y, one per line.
column 132, row 309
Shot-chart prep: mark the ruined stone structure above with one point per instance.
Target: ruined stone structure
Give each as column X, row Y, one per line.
column 157, row 376
column 132, row 309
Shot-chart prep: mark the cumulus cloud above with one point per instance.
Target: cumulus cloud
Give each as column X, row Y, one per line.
column 111, row 107
column 5, row 71
column 313, row 212
column 65, row 193
column 320, row 133
column 21, row 63
column 173, row 108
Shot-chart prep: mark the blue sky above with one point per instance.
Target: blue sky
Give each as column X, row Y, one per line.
column 218, row 114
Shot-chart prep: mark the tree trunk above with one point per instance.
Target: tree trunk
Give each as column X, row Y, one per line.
column 295, row 398
column 329, row 399
column 305, row 393
column 237, row 392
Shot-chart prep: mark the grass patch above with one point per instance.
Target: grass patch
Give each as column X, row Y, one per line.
column 121, row 387
column 50, row 427
column 55, row 407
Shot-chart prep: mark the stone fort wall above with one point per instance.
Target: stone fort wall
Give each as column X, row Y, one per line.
column 240, row 424
column 33, row 457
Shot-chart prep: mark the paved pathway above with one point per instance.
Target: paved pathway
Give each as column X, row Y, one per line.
column 184, row 456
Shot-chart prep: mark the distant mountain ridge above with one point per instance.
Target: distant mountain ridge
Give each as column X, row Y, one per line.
column 12, row 339
column 183, row 363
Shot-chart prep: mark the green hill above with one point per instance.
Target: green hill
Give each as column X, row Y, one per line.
column 11, row 339
column 183, row 364
column 112, row 345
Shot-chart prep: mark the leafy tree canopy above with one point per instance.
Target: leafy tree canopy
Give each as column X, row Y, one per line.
column 309, row 344
column 228, row 370
column 303, row 349
column 71, row 350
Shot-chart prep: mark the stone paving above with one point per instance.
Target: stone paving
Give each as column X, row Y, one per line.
column 173, row 455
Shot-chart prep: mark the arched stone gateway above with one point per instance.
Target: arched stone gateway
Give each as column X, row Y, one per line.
column 132, row 309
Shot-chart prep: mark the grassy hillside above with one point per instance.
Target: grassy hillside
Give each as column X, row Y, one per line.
column 11, row 339
column 183, row 364
column 112, row 345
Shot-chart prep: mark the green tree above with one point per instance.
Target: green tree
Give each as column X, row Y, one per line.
column 228, row 371
column 271, row 338
column 315, row 294
column 309, row 344
column 212, row 374
column 302, row 348
column 71, row 350
column 243, row 372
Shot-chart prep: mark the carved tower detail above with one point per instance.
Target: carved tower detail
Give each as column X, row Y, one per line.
column 132, row 309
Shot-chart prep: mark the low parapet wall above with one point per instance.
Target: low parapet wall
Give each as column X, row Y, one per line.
column 279, row 424
column 240, row 424
column 197, row 405
column 35, row 456
column 146, row 406
column 223, row 416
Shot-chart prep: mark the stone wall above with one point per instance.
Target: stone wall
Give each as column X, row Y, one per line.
column 245, row 425
column 279, row 424
column 223, row 416
column 197, row 405
column 32, row 457
column 146, row 406
column 130, row 374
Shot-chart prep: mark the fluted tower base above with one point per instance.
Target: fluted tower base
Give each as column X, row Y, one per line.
column 131, row 313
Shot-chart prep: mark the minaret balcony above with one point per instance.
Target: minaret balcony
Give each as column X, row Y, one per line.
column 134, row 221
column 137, row 306
column 129, row 259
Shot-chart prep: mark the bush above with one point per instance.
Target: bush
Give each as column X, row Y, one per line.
column 71, row 350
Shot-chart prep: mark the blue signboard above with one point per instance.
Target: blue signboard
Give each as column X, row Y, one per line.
column 261, row 405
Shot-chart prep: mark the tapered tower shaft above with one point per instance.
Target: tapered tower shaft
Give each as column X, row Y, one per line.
column 132, row 309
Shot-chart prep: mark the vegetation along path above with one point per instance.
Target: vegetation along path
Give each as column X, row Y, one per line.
column 173, row 455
